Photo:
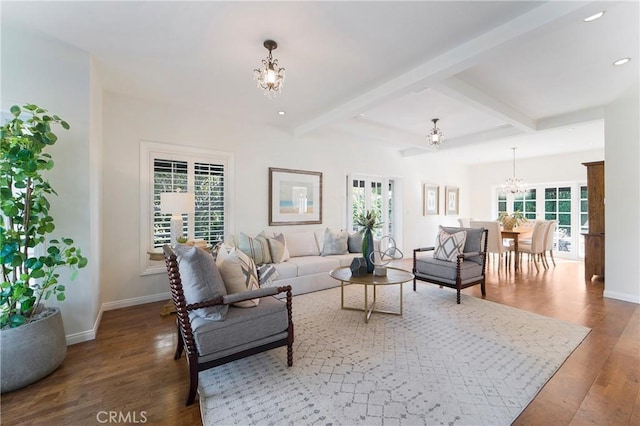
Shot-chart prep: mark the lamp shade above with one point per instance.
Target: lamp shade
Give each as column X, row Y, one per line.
column 177, row 202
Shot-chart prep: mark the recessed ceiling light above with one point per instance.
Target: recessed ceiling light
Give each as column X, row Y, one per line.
column 594, row 16
column 622, row 61
column 282, row 112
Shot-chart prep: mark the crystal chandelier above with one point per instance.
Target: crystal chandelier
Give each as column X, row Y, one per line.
column 270, row 76
column 435, row 137
column 514, row 185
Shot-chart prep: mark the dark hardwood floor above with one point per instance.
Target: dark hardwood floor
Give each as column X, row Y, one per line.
column 129, row 373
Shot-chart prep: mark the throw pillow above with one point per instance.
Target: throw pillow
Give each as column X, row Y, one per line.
column 335, row 242
column 201, row 280
column 257, row 248
column 449, row 246
column 278, row 248
column 302, row 244
column 239, row 273
column 354, row 242
column 266, row 275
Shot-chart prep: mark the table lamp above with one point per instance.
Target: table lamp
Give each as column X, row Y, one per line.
column 175, row 204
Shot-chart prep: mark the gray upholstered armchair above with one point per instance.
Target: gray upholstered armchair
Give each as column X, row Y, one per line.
column 211, row 330
column 454, row 264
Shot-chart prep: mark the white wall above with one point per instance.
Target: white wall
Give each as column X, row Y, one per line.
column 127, row 121
column 564, row 168
column 622, row 198
column 29, row 76
column 419, row 230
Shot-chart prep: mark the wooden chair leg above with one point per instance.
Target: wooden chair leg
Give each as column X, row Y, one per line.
column 414, row 283
column 458, row 297
column 179, row 346
column 552, row 259
column 193, row 380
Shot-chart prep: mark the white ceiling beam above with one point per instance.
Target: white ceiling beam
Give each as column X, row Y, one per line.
column 571, row 118
column 470, row 95
column 369, row 130
column 447, row 64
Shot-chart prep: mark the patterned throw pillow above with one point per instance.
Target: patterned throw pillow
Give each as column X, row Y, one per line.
column 201, row 280
column 278, row 248
column 335, row 242
column 257, row 248
column 238, row 272
column 449, row 246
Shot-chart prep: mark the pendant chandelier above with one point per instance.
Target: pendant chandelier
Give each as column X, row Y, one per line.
column 514, row 185
column 270, row 76
column 435, row 136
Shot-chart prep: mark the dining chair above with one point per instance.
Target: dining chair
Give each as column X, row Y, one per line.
column 495, row 244
column 536, row 246
column 549, row 242
column 464, row 222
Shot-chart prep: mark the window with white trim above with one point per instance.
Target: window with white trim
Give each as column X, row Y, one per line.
column 171, row 168
column 372, row 193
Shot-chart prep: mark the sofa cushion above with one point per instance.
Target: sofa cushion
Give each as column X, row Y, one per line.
column 444, row 270
column 473, row 242
column 238, row 272
column 335, row 242
column 278, row 248
column 354, row 242
column 201, row 280
column 256, row 248
column 302, row 244
column 269, row 318
column 346, row 259
column 449, row 245
column 286, row 270
column 308, row 265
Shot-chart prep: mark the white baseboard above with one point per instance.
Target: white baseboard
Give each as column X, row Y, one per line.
column 109, row 306
column 633, row 298
column 85, row 336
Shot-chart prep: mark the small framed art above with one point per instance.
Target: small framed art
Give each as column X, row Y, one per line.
column 431, row 199
column 452, row 200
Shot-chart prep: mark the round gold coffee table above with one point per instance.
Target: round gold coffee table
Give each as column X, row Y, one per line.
column 394, row 276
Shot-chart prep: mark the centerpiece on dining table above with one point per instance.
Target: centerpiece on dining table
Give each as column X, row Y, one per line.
column 510, row 221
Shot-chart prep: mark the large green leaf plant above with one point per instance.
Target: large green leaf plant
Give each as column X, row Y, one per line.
column 30, row 263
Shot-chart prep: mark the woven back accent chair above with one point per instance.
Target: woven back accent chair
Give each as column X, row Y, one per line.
column 467, row 270
column 239, row 333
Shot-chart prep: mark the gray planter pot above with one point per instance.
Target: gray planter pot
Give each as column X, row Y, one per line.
column 31, row 351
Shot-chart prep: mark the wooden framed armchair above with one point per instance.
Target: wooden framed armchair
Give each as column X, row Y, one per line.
column 237, row 332
column 467, row 270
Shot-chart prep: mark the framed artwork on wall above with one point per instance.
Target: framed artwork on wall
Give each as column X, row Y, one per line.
column 431, row 199
column 295, row 197
column 451, row 199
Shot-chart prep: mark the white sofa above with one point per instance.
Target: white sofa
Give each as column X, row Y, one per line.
column 309, row 260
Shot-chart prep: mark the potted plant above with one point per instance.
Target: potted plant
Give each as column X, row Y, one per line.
column 33, row 339
column 368, row 223
column 510, row 221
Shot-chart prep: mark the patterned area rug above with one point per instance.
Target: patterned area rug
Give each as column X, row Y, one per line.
column 475, row 363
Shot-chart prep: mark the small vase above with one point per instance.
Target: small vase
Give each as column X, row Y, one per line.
column 367, row 249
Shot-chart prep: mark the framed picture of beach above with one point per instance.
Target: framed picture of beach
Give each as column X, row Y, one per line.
column 295, row 197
